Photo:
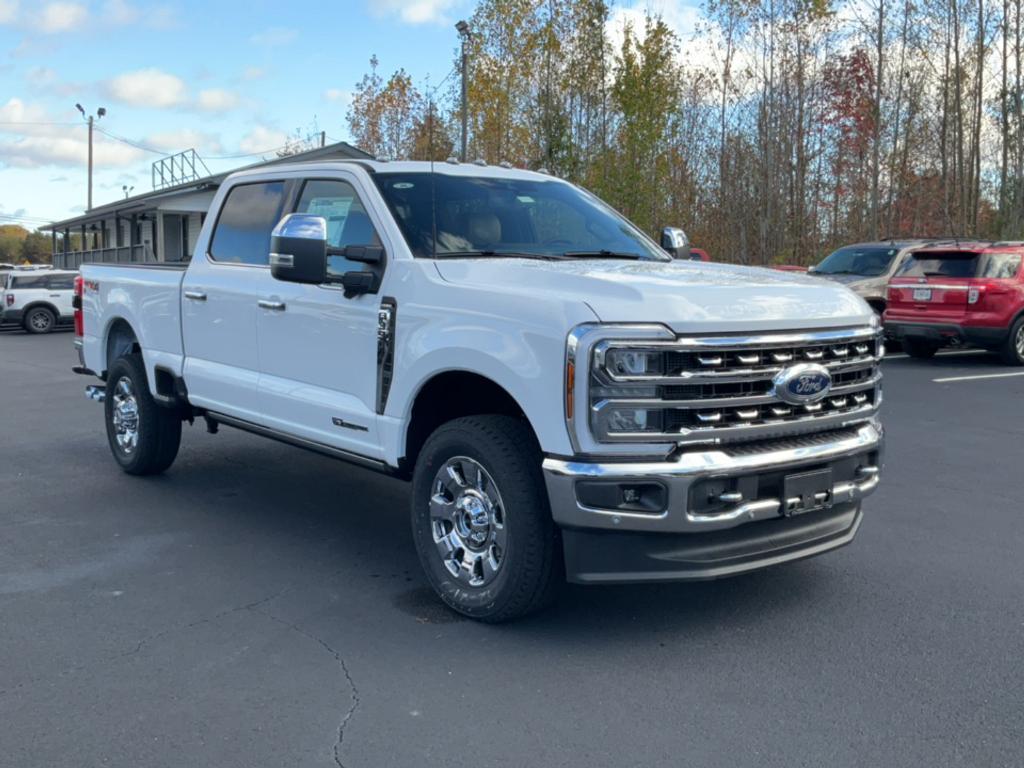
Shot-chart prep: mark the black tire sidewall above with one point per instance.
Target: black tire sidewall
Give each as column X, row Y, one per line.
column 524, row 506
column 35, row 311
column 159, row 429
column 920, row 349
column 1010, row 354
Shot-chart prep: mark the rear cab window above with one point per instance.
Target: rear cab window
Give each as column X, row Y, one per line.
column 248, row 215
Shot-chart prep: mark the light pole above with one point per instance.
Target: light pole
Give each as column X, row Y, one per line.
column 127, row 190
column 465, row 34
column 90, row 119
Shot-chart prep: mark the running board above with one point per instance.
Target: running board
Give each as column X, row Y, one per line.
column 299, row 442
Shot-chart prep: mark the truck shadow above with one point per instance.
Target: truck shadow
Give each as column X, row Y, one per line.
column 350, row 527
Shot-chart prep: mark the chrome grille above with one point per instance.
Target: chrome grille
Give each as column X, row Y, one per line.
column 722, row 389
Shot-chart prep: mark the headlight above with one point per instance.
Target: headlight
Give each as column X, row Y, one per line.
column 634, row 362
column 630, row 420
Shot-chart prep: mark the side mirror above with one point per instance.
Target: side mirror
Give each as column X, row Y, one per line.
column 675, row 242
column 298, row 249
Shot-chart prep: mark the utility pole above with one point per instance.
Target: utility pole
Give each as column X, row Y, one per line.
column 465, row 34
column 90, row 119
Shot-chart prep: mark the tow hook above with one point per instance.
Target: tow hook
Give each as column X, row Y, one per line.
column 96, row 392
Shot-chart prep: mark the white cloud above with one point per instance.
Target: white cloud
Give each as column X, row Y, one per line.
column 338, row 95
column 61, row 16
column 414, row 11
column 187, row 138
column 36, row 151
column 120, row 12
column 274, row 36
column 262, row 140
column 254, row 73
column 217, row 100
column 8, row 11
column 147, row 88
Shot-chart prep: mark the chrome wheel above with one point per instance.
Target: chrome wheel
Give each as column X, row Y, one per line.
column 1019, row 342
column 467, row 519
column 125, row 416
column 40, row 321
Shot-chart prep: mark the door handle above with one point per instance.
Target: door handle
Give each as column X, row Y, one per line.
column 195, row 295
column 277, row 306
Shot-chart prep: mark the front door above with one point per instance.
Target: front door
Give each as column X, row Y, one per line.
column 318, row 349
column 219, row 302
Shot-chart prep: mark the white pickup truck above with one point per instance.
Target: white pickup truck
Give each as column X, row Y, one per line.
column 567, row 400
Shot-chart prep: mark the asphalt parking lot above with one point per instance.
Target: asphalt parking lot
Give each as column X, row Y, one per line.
column 263, row 606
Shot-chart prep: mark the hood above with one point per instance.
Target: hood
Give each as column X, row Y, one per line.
column 688, row 296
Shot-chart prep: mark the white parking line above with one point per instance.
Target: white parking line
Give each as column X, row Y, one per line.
column 979, row 376
column 945, row 354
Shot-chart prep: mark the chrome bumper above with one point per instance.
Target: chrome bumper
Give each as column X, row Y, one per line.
column 677, row 477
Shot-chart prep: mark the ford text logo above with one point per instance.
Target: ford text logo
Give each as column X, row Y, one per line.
column 801, row 384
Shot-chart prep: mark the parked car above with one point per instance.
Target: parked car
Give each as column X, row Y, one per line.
column 564, row 396
column 865, row 268
column 39, row 300
column 788, row 267
column 962, row 293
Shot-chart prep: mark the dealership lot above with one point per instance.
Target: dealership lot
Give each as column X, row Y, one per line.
column 259, row 605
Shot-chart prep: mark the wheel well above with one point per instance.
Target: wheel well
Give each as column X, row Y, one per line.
column 121, row 340
column 450, row 396
column 877, row 304
column 45, row 305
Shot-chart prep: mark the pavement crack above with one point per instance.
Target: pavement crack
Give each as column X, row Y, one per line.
column 199, row 622
column 354, row 691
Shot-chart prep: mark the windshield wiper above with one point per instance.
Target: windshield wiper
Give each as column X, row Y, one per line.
column 492, row 254
column 604, row 253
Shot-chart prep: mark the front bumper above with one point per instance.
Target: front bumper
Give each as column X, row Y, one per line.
column 718, row 512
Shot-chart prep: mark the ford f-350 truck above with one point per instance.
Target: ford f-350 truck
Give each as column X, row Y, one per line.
column 564, row 396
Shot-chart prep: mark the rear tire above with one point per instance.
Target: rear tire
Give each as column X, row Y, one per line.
column 39, row 320
column 144, row 436
column 1012, row 350
column 919, row 348
column 481, row 520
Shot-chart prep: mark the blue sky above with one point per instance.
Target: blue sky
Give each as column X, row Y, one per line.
column 222, row 76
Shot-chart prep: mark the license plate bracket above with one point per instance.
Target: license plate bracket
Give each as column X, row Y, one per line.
column 922, row 294
column 806, row 492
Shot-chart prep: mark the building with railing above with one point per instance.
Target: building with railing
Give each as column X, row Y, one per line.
column 162, row 225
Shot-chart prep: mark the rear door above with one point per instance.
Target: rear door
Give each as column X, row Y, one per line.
column 219, row 301
column 933, row 285
column 61, row 289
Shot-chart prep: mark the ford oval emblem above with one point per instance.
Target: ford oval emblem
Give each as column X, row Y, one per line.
column 800, row 384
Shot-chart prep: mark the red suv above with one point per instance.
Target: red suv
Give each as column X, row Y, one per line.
column 957, row 293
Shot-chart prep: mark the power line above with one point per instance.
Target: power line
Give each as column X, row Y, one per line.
column 131, row 143
column 32, row 122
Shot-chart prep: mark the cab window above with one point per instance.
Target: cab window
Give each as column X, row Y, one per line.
column 249, row 213
column 62, row 282
column 29, row 281
column 347, row 220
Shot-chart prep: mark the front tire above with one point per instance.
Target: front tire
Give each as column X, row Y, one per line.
column 39, row 320
column 1012, row 351
column 143, row 436
column 920, row 349
column 481, row 520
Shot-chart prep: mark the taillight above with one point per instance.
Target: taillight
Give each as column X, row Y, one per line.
column 973, row 294
column 10, row 299
column 76, row 302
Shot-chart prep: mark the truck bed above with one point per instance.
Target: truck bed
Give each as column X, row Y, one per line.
column 147, row 297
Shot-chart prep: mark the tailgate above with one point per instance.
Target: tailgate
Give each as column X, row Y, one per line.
column 932, row 286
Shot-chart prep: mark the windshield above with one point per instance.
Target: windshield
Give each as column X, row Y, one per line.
column 869, row 261
column 481, row 216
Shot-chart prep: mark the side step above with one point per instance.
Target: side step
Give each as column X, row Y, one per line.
column 96, row 392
